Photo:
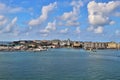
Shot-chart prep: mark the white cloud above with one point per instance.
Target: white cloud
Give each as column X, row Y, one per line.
column 77, row 30
column 72, row 23
column 98, row 29
column 77, row 4
column 51, row 26
column 112, row 22
column 10, row 26
column 71, row 18
column 64, row 31
column 100, row 13
column 66, row 15
column 97, row 20
column 7, row 9
column 45, row 11
column 3, row 20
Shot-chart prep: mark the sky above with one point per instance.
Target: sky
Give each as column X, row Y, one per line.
column 82, row 20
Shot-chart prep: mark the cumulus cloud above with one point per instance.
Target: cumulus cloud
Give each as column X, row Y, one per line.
column 112, row 22
column 10, row 25
column 72, row 23
column 98, row 29
column 51, row 26
column 71, row 18
column 77, row 4
column 64, row 31
column 45, row 11
column 7, row 9
column 9, row 28
column 99, row 14
column 3, row 20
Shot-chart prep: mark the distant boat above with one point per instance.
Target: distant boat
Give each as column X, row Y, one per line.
column 91, row 49
column 36, row 50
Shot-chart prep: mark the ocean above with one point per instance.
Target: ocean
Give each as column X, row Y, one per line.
column 60, row 64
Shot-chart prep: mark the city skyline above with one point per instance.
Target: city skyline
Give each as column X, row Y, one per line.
column 81, row 20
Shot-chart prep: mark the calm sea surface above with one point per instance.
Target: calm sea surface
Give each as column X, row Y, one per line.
column 60, row 64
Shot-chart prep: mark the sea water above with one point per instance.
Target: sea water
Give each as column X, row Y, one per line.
column 60, row 64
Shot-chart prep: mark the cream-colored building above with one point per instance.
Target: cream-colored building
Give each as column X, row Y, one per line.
column 112, row 45
column 76, row 44
column 55, row 43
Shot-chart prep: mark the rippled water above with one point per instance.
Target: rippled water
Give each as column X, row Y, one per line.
column 60, row 64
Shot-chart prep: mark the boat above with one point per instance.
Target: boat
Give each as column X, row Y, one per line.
column 38, row 49
column 90, row 50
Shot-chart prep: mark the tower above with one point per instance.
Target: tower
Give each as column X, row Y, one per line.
column 68, row 42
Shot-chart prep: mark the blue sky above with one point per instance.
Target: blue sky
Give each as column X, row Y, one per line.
column 83, row 20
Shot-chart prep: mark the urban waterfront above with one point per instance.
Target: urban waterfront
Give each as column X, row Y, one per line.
column 60, row 64
column 43, row 45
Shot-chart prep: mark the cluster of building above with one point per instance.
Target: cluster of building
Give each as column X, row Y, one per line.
column 40, row 45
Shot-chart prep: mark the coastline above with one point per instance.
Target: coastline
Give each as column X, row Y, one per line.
column 44, row 45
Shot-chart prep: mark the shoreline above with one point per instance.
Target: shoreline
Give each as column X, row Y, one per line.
column 34, row 50
column 43, row 45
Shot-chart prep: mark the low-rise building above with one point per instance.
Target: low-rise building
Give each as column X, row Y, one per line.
column 112, row 45
column 56, row 42
column 95, row 45
column 76, row 44
column 63, row 43
column 87, row 45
